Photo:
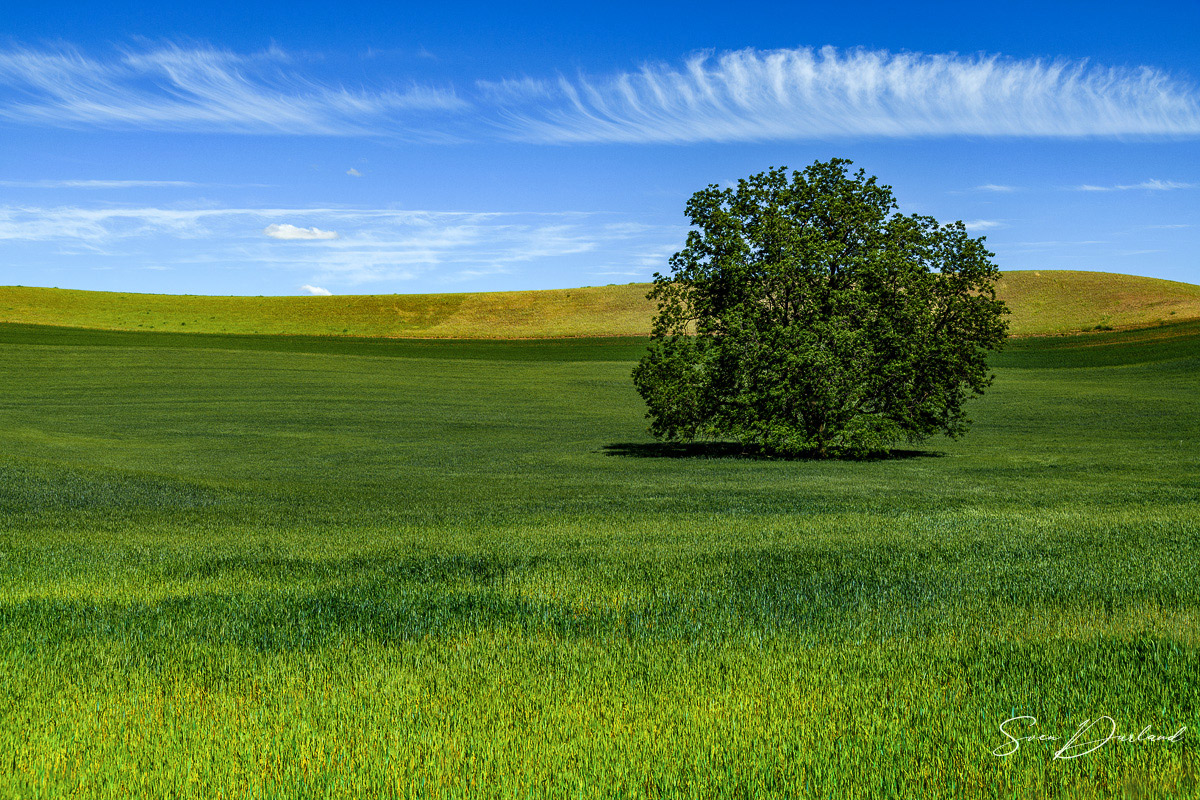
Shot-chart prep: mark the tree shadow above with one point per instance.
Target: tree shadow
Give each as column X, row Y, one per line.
column 685, row 450
column 733, row 450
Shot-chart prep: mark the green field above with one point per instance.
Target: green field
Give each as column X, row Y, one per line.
column 316, row 567
column 1042, row 302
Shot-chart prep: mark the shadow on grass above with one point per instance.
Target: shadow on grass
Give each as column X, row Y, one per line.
column 876, row 590
column 288, row 604
column 746, row 451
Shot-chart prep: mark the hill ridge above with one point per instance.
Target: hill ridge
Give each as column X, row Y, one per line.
column 1043, row 302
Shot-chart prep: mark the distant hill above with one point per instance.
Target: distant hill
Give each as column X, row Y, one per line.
column 1061, row 301
column 594, row 311
column 1042, row 302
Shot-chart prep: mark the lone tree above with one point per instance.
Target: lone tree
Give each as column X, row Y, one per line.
column 807, row 316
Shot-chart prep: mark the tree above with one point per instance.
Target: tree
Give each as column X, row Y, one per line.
column 808, row 316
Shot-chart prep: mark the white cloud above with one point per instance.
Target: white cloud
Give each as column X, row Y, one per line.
column 95, row 184
column 353, row 173
column 779, row 95
column 730, row 96
column 316, row 290
column 1152, row 185
column 486, row 272
column 1156, row 185
column 286, row 231
column 385, row 244
column 94, row 225
column 182, row 89
column 984, row 224
column 995, row 187
column 517, row 90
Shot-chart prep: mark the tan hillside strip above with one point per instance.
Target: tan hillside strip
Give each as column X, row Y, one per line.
column 1060, row 301
column 592, row 311
column 1042, row 302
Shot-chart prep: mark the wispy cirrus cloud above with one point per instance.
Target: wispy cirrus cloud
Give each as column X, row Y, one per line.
column 1153, row 185
column 375, row 245
column 755, row 95
column 730, row 96
column 1056, row 244
column 99, row 184
column 208, row 89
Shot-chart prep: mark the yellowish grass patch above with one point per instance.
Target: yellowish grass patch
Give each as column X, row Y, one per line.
column 1042, row 302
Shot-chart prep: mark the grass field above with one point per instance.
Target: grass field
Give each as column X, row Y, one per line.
column 1044, row 302
column 313, row 567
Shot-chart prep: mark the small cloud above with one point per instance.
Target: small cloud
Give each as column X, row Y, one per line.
column 285, row 231
column 353, row 173
column 984, row 224
column 483, row 272
column 316, row 290
column 995, row 187
column 1152, row 185
column 1156, row 185
column 94, row 184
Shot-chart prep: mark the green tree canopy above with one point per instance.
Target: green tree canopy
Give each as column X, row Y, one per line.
column 808, row 316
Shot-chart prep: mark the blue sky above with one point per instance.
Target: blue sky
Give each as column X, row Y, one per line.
column 272, row 148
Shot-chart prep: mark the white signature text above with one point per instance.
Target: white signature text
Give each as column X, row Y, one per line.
column 1090, row 736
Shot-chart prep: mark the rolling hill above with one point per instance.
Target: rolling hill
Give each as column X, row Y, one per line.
column 1043, row 302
